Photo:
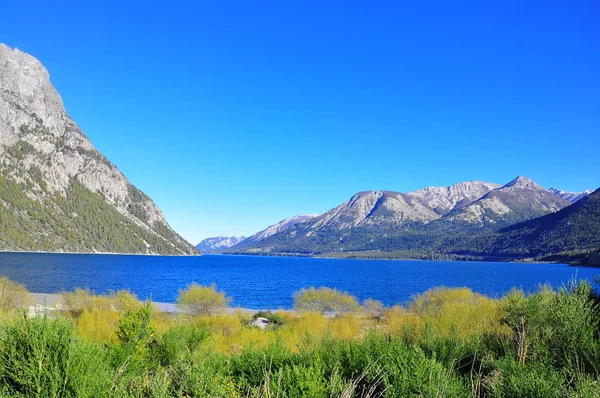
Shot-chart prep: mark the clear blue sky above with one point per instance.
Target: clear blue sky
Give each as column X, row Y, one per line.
column 234, row 115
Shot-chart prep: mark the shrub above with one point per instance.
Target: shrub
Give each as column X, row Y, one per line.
column 585, row 387
column 433, row 300
column 83, row 299
column 558, row 326
column 202, row 300
column 203, row 374
column 324, row 300
column 274, row 319
column 41, row 357
column 178, row 341
column 527, row 381
column 135, row 329
column 100, row 326
column 458, row 311
column 13, row 296
column 373, row 308
column 124, row 301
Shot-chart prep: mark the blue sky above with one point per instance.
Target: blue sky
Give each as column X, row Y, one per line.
column 234, row 115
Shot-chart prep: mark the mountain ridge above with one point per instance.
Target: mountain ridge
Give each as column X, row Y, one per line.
column 518, row 200
column 421, row 221
column 570, row 196
column 218, row 242
column 57, row 192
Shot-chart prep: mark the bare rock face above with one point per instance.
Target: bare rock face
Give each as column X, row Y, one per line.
column 46, row 153
column 519, row 200
column 445, row 199
column 376, row 208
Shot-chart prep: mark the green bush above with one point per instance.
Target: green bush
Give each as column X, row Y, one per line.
column 41, row 357
column 560, row 327
column 527, row 381
column 585, row 387
column 275, row 320
column 203, row 373
column 135, row 338
column 549, row 348
column 178, row 341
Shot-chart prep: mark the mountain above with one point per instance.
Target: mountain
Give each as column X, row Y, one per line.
column 376, row 220
column 378, row 208
column 216, row 243
column 570, row 231
column 57, row 192
column 519, row 200
column 445, row 199
column 570, row 196
column 274, row 229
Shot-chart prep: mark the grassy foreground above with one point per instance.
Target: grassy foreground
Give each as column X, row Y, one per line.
column 445, row 343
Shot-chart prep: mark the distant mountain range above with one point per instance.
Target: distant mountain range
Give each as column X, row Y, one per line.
column 570, row 196
column 57, row 192
column 434, row 222
column 219, row 244
column 209, row 245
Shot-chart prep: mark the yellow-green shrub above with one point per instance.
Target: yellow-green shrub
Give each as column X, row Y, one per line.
column 458, row 310
column 324, row 300
column 202, row 300
column 83, row 299
column 13, row 296
column 98, row 325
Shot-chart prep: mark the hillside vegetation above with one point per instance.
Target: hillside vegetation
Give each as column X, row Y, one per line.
column 78, row 221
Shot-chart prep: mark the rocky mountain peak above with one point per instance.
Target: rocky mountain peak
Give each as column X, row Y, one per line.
column 26, row 86
column 445, row 199
column 522, row 182
column 518, row 200
column 45, row 152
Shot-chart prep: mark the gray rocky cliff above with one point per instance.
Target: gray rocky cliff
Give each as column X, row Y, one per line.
column 44, row 151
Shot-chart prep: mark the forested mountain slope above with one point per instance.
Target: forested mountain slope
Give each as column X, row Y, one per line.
column 575, row 229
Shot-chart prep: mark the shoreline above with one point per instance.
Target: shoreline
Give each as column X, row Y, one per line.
column 326, row 256
column 51, row 301
column 102, row 253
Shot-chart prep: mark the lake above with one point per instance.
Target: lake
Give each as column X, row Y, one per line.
column 269, row 282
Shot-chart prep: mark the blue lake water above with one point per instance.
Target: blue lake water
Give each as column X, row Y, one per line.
column 269, row 282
